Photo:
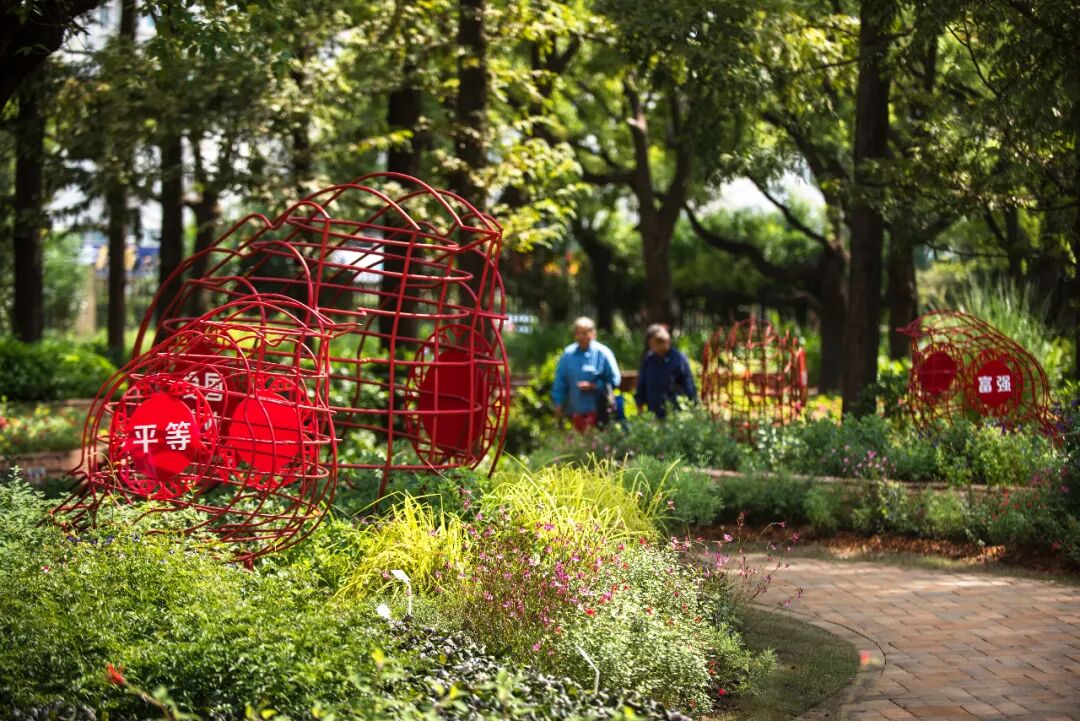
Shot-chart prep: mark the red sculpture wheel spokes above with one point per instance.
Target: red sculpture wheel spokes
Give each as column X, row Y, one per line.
column 162, row 436
column 270, row 434
column 455, row 383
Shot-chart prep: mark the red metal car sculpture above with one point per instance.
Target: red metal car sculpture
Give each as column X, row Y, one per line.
column 322, row 327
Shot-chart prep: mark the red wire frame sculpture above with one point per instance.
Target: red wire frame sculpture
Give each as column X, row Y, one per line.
column 751, row 377
column 962, row 367
column 228, row 417
column 389, row 325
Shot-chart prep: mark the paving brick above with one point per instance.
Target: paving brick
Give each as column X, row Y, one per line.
column 956, row 646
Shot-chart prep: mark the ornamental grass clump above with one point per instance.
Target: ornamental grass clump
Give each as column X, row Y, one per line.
column 411, row 536
column 570, row 497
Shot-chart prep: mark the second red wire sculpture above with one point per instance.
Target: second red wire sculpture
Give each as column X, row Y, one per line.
column 752, row 377
column 962, row 367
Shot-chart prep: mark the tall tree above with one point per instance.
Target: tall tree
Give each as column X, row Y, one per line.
column 171, row 249
column 118, row 176
column 863, row 331
column 28, row 309
column 470, row 117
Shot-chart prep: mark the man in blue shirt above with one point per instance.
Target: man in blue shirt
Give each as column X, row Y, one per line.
column 665, row 374
column 587, row 373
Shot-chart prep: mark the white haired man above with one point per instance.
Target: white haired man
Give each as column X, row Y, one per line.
column 586, row 375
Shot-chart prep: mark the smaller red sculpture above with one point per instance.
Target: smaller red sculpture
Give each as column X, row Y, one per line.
column 752, row 377
column 228, row 417
column 962, row 367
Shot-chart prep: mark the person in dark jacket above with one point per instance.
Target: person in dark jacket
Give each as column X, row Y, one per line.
column 665, row 374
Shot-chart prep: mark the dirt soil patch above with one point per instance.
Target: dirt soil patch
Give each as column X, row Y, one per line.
column 902, row 549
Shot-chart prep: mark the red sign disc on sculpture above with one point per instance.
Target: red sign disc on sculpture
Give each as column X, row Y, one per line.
column 453, row 396
column 994, row 383
column 447, row 389
column 156, row 436
column 937, row 372
column 265, row 433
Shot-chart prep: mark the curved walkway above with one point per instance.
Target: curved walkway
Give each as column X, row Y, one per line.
column 938, row 646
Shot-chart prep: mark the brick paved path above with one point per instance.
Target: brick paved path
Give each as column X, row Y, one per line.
column 938, row 645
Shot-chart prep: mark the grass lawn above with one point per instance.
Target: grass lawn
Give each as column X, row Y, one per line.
column 812, row 666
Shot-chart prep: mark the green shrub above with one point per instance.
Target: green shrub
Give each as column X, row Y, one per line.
column 856, row 448
column 222, row 639
column 946, row 515
column 216, row 635
column 41, row 428
column 50, row 370
column 531, row 411
column 886, row 507
column 765, row 499
column 687, row 433
column 695, row 497
column 823, row 506
column 645, row 618
column 663, row 639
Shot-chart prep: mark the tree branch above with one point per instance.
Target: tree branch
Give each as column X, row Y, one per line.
column 790, row 216
column 742, row 248
column 27, row 40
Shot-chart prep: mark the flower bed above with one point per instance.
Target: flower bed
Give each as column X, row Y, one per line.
column 513, row 584
column 44, row 440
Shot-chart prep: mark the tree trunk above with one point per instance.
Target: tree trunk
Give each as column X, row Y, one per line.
column 207, row 211
column 403, row 112
column 600, row 257
column 116, row 208
column 171, row 251
column 1016, row 248
column 657, row 224
column 833, row 316
column 902, row 293
column 661, row 305
column 300, row 131
column 28, row 308
column 469, row 113
column 863, row 332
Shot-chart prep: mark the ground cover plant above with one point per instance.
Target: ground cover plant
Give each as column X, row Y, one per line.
column 122, row 620
column 870, row 447
column 1011, row 487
